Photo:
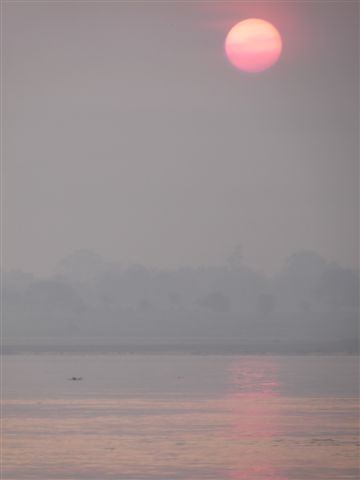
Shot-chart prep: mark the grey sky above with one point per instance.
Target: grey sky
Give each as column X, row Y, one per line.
column 128, row 133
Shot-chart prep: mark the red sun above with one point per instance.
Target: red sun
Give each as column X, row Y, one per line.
column 253, row 45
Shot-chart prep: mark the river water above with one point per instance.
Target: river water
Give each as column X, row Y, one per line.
column 180, row 417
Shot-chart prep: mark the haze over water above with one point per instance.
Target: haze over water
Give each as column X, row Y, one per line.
column 180, row 417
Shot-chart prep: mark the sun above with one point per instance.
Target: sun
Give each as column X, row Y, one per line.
column 253, row 45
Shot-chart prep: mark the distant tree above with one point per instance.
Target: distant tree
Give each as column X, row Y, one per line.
column 339, row 287
column 266, row 303
column 81, row 265
column 216, row 301
column 305, row 265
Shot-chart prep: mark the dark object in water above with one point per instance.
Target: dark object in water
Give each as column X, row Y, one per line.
column 75, row 378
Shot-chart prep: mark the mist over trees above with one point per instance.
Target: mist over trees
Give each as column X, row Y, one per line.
column 310, row 299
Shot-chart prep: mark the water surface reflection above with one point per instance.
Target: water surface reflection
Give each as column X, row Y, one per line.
column 194, row 418
column 254, row 407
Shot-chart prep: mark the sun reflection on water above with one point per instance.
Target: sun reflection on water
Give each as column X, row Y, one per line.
column 254, row 405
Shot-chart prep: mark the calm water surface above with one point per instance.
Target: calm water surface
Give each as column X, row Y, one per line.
column 180, row 417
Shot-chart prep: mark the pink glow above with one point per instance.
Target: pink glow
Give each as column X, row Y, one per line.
column 253, row 45
column 255, row 404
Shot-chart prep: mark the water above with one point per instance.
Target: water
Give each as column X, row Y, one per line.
column 180, row 417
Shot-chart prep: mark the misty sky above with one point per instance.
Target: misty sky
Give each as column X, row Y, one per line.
column 128, row 133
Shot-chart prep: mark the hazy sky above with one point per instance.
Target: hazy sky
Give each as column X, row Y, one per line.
column 128, row 133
